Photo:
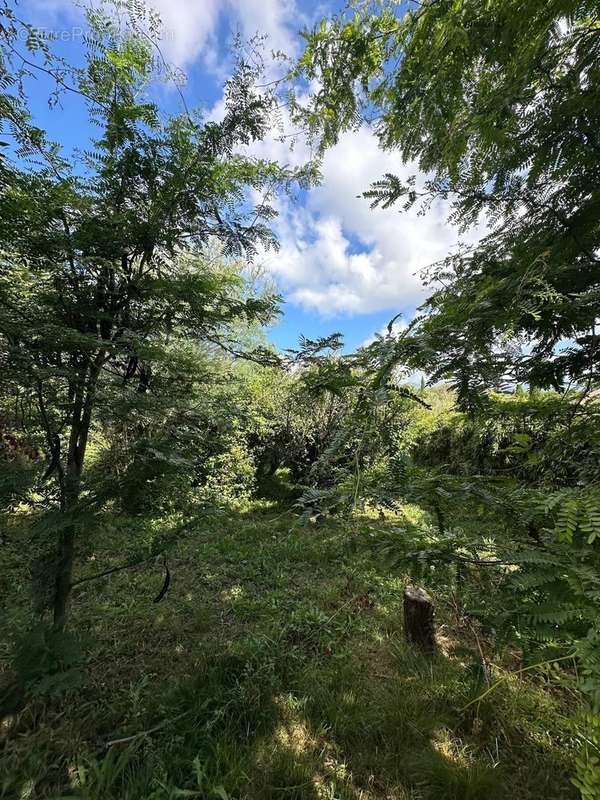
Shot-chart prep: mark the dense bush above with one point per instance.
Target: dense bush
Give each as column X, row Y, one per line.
column 539, row 438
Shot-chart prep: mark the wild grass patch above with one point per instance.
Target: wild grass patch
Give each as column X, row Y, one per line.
column 267, row 672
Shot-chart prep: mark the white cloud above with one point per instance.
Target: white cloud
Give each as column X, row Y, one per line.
column 190, row 26
column 339, row 256
column 280, row 20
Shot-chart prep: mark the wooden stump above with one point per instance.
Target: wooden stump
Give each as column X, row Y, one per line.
column 419, row 627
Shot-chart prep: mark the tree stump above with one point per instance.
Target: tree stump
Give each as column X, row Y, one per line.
column 419, row 627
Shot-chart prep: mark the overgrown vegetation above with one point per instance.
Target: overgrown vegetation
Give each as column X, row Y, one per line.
column 205, row 541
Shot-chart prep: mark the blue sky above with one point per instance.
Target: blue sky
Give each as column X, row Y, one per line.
column 341, row 266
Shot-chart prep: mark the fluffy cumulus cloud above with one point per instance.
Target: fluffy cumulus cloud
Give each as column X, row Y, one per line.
column 338, row 256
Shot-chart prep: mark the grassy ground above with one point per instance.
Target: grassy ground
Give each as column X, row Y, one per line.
column 275, row 667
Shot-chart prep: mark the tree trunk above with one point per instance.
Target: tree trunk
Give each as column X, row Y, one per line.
column 64, row 572
column 419, row 626
column 66, row 543
column 80, row 428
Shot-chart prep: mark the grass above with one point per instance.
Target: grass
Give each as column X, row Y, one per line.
column 274, row 668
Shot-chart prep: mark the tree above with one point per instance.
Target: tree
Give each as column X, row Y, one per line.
column 106, row 260
column 499, row 105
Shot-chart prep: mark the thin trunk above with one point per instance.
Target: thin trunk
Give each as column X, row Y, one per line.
column 80, row 428
column 64, row 572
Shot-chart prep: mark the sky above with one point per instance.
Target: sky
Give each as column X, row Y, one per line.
column 341, row 266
